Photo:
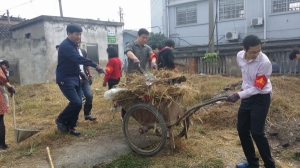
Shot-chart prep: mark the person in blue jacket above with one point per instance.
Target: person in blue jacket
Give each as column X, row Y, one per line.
column 67, row 78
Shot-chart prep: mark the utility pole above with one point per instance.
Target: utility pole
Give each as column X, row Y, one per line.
column 8, row 19
column 211, row 47
column 60, row 9
column 121, row 14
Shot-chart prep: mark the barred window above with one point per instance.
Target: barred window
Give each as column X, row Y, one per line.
column 186, row 15
column 285, row 5
column 229, row 9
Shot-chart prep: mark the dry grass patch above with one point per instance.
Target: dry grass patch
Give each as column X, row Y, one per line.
column 212, row 137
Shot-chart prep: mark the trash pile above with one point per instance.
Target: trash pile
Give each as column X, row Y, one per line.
column 164, row 87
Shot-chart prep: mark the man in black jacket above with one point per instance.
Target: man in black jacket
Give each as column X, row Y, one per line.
column 166, row 56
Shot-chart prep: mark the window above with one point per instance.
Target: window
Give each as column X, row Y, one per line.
column 285, row 5
column 28, row 35
column 186, row 15
column 229, row 9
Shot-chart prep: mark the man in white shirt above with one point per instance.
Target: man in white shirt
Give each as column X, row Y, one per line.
column 85, row 82
column 256, row 98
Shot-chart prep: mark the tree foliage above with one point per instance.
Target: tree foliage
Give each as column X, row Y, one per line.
column 156, row 38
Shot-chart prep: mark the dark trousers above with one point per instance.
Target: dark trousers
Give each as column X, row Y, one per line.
column 251, row 122
column 69, row 115
column 112, row 83
column 87, row 92
column 2, row 130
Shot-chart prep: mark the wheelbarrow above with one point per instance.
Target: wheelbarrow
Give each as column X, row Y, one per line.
column 146, row 128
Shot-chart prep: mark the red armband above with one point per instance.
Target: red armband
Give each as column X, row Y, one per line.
column 261, row 81
column 109, row 69
column 152, row 56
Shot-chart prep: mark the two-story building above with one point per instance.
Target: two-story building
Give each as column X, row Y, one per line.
column 276, row 22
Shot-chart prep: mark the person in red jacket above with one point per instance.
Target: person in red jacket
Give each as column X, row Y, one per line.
column 113, row 68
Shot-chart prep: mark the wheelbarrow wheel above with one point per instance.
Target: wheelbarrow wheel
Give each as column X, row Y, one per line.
column 145, row 129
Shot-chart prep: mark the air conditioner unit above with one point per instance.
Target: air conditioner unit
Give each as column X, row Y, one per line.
column 257, row 22
column 231, row 35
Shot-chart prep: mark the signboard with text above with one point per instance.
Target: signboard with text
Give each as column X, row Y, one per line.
column 111, row 34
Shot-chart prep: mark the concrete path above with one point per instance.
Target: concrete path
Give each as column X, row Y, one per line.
column 90, row 153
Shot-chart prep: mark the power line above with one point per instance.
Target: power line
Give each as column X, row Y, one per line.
column 154, row 5
column 17, row 6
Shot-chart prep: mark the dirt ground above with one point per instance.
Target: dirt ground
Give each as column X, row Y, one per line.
column 212, row 133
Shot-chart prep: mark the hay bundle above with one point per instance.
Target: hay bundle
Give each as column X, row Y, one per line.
column 162, row 89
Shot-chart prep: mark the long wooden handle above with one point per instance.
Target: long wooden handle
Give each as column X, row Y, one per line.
column 49, row 156
column 14, row 110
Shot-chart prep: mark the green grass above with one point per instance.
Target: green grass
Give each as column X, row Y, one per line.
column 211, row 163
column 131, row 160
column 28, row 152
column 294, row 156
column 2, row 159
column 201, row 130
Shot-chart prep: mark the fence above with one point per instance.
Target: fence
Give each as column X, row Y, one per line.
column 227, row 65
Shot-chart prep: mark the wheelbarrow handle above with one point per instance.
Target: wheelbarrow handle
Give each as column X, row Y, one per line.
column 195, row 108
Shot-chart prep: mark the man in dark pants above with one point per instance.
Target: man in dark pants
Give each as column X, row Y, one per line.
column 67, row 78
column 256, row 97
column 85, row 81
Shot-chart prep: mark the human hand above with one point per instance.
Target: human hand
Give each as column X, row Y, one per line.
column 136, row 62
column 153, row 65
column 83, row 76
column 233, row 97
column 11, row 90
column 99, row 69
column 104, row 84
column 90, row 80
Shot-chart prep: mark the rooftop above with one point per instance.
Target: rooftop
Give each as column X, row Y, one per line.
column 64, row 19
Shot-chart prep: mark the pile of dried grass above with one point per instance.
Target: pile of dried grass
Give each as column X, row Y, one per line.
column 162, row 89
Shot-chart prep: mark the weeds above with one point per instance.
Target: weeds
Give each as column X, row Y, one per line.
column 2, row 159
column 28, row 152
column 211, row 163
column 295, row 156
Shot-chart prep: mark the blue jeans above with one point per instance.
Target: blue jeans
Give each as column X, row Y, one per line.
column 87, row 92
column 69, row 115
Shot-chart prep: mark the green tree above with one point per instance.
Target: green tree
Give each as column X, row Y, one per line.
column 156, row 38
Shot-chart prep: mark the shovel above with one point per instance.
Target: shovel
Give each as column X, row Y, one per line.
column 21, row 134
column 150, row 78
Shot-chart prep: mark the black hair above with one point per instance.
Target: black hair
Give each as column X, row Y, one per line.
column 156, row 46
column 143, row 31
column 169, row 43
column 4, row 62
column 112, row 52
column 71, row 28
column 294, row 52
column 57, row 46
column 251, row 41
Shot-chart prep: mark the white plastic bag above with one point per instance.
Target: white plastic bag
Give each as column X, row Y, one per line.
column 110, row 93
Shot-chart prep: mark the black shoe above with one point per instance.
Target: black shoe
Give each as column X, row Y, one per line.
column 3, row 147
column 74, row 132
column 61, row 126
column 90, row 117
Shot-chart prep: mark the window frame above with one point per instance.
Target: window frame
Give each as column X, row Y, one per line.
column 286, row 8
column 189, row 14
column 221, row 16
